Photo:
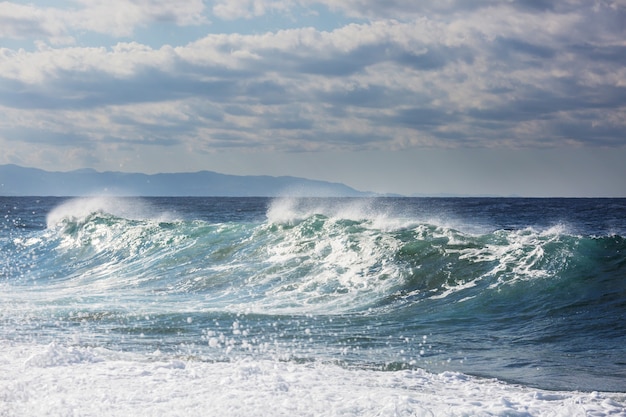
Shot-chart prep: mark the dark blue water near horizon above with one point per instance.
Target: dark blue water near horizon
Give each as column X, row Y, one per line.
column 529, row 291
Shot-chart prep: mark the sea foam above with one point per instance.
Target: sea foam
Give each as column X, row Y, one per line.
column 59, row 381
column 128, row 208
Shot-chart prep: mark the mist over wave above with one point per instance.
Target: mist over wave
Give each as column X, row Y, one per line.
column 78, row 209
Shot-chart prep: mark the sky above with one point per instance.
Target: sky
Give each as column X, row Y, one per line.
column 460, row 97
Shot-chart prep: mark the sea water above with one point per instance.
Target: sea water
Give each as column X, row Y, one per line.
column 312, row 307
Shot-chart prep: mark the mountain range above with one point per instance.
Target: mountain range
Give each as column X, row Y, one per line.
column 20, row 181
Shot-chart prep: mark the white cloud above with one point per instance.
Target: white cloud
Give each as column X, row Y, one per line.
column 121, row 17
column 21, row 21
column 247, row 9
column 118, row 18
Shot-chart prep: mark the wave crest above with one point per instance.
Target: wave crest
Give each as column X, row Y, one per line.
column 78, row 209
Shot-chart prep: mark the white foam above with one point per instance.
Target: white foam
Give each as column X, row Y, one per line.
column 291, row 210
column 326, row 268
column 56, row 381
column 519, row 254
column 80, row 208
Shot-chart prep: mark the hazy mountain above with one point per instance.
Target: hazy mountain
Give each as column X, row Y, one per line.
column 20, row 181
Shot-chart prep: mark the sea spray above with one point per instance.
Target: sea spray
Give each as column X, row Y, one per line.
column 76, row 209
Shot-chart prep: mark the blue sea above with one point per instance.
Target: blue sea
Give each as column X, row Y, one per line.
column 312, row 307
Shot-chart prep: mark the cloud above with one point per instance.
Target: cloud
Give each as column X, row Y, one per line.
column 21, row 21
column 367, row 9
column 121, row 17
column 436, row 74
column 118, row 18
column 247, row 9
column 402, row 10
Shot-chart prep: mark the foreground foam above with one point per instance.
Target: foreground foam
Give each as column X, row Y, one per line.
column 54, row 380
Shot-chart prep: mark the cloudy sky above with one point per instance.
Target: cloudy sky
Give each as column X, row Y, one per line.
column 500, row 97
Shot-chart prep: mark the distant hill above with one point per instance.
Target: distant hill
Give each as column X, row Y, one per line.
column 20, row 181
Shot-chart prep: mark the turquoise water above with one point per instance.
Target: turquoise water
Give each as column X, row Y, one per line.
column 530, row 292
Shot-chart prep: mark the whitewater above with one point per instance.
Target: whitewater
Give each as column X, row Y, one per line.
column 312, row 307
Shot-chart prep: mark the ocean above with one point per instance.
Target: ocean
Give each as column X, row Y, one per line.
column 312, row 307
